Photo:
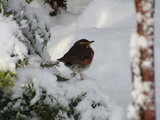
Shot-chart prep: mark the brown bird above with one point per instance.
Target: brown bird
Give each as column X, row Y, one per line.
column 79, row 57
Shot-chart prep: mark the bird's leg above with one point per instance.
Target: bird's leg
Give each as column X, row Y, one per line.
column 81, row 77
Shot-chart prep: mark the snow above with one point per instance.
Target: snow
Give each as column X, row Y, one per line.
column 64, row 92
column 33, row 19
column 76, row 7
column 110, row 23
column 10, row 45
column 141, row 99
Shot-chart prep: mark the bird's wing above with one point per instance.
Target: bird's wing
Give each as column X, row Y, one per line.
column 72, row 55
column 81, row 55
column 76, row 55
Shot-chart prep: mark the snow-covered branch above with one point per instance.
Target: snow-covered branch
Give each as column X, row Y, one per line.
column 34, row 25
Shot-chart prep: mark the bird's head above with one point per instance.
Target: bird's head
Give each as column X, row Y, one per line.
column 84, row 43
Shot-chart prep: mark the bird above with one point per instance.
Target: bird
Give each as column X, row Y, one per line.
column 79, row 57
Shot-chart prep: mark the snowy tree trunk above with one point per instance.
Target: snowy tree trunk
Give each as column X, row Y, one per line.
column 142, row 58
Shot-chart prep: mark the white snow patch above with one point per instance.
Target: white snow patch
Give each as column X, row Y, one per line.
column 76, row 6
column 10, row 44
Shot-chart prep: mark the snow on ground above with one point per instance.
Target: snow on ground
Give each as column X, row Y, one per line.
column 110, row 23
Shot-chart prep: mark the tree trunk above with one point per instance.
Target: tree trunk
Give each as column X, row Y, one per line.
column 142, row 58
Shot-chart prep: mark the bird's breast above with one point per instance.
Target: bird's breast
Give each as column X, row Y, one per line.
column 88, row 60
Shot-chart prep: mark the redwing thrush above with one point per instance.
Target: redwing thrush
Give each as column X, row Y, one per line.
column 79, row 57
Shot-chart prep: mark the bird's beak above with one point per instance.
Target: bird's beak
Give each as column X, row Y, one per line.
column 91, row 42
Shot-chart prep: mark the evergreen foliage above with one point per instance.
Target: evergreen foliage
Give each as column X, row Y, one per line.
column 6, row 80
column 46, row 108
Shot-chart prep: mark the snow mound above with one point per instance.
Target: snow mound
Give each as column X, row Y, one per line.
column 76, row 6
column 103, row 13
column 92, row 104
